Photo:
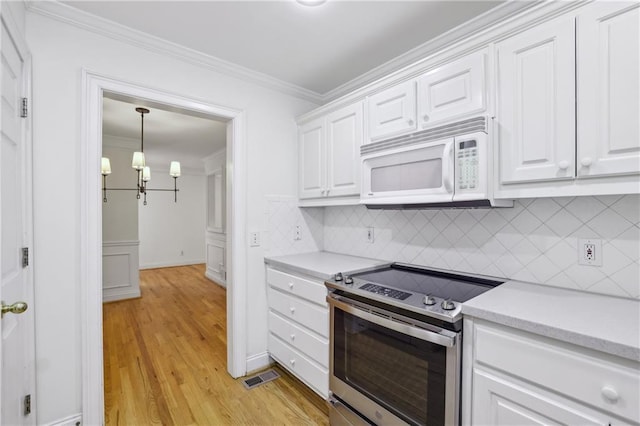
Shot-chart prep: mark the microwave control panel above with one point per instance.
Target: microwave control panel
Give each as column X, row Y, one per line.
column 468, row 164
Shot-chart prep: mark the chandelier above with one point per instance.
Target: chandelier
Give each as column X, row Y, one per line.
column 143, row 171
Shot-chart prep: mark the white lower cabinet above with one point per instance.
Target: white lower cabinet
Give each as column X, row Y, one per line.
column 514, row 377
column 299, row 327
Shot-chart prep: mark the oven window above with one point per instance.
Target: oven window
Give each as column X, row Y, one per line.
column 403, row 374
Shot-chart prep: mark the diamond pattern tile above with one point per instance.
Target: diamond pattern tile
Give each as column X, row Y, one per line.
column 535, row 241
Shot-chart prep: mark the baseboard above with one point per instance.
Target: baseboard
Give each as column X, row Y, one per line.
column 171, row 264
column 112, row 296
column 215, row 279
column 258, row 362
column 73, row 420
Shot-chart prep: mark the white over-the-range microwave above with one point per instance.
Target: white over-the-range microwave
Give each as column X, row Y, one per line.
column 445, row 166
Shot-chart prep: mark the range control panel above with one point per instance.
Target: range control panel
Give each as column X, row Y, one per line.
column 385, row 291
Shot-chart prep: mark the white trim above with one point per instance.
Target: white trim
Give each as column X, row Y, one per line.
column 216, row 281
column 121, row 294
column 72, row 420
column 172, row 264
column 121, row 243
column 90, row 207
column 115, row 31
column 258, row 362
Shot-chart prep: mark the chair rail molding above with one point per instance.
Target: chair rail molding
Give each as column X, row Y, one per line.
column 93, row 87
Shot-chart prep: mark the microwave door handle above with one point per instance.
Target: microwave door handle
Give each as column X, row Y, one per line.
column 419, row 333
column 447, row 167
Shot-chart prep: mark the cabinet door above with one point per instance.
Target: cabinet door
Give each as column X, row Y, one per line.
column 393, row 111
column 312, row 162
column 608, row 89
column 500, row 402
column 453, row 90
column 344, row 137
column 535, row 103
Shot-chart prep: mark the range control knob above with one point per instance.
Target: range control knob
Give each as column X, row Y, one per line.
column 448, row 305
column 348, row 280
column 429, row 300
column 338, row 276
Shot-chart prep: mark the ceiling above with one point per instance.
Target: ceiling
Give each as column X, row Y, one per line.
column 315, row 48
column 168, row 135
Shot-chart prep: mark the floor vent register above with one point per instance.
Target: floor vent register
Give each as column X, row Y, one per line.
column 260, row 379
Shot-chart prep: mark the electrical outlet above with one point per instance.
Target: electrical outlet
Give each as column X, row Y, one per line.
column 590, row 252
column 297, row 236
column 370, row 236
column 254, row 239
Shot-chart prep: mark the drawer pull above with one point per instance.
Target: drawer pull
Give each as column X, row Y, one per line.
column 291, row 285
column 293, row 337
column 610, row 394
column 292, row 362
column 293, row 310
column 563, row 165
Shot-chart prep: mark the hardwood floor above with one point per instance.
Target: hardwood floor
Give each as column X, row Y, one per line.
column 165, row 361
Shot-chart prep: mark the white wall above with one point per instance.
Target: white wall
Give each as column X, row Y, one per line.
column 120, row 212
column 172, row 233
column 60, row 52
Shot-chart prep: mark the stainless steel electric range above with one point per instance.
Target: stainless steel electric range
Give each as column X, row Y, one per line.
column 395, row 344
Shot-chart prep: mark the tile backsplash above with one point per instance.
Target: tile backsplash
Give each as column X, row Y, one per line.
column 535, row 241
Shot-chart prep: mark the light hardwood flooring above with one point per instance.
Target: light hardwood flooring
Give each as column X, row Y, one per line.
column 165, row 361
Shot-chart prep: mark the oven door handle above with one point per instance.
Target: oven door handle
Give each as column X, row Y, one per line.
column 418, row 333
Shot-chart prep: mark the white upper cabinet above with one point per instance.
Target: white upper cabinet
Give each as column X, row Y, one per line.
column 344, row 137
column 392, row 112
column 608, row 89
column 452, row 90
column 312, row 160
column 329, row 155
column 535, row 103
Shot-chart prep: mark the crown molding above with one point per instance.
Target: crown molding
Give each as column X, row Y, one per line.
column 70, row 15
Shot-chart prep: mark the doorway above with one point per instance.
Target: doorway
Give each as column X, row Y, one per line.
column 91, row 222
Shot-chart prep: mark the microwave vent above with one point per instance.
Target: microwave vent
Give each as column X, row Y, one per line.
column 464, row 127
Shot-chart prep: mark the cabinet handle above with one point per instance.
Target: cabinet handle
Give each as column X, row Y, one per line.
column 328, row 192
column 563, row 165
column 610, row 394
column 410, row 122
column 323, row 191
column 425, row 117
column 293, row 310
column 293, row 337
column 586, row 161
column 292, row 362
column 291, row 286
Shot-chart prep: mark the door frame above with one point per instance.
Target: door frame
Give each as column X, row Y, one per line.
column 93, row 87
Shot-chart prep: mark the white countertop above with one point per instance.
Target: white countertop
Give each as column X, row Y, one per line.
column 323, row 264
column 603, row 323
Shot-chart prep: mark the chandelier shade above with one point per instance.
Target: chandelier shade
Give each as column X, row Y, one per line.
column 138, row 163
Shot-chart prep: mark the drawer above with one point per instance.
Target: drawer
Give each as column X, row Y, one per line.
column 316, row 377
column 301, row 339
column 310, row 315
column 313, row 291
column 597, row 381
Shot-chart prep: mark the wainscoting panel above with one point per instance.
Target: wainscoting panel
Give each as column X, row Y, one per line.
column 120, row 277
column 216, row 258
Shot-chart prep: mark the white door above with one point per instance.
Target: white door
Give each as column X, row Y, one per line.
column 344, row 137
column 16, row 343
column 608, row 89
column 312, row 162
column 453, row 90
column 393, row 111
column 536, row 103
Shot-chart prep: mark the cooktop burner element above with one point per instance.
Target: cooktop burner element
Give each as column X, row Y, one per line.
column 429, row 292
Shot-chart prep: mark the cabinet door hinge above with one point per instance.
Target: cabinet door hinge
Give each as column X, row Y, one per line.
column 25, row 257
column 25, row 108
column 27, row 405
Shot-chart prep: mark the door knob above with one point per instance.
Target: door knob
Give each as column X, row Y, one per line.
column 16, row 308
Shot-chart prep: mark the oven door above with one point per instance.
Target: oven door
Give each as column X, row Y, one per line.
column 422, row 173
column 393, row 369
